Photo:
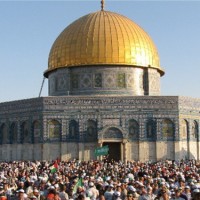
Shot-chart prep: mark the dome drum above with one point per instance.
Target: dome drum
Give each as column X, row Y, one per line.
column 104, row 80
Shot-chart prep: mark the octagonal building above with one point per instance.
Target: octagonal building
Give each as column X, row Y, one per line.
column 104, row 89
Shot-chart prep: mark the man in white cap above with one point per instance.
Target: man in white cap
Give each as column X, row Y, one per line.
column 109, row 192
column 36, row 193
column 117, row 195
column 29, row 190
column 133, row 191
column 22, row 195
column 92, row 190
column 187, row 192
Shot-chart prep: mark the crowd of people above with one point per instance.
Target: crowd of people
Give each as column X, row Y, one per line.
column 99, row 180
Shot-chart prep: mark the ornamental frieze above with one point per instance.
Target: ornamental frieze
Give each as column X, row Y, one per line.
column 110, row 101
column 81, row 104
column 21, row 106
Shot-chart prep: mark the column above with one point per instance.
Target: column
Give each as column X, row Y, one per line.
column 124, row 153
column 63, row 145
column 188, row 138
column 81, row 151
column 177, row 147
column 45, row 146
column 100, row 144
column 82, row 127
column 160, row 149
column 64, row 130
column 18, row 146
column 142, row 138
column 18, row 133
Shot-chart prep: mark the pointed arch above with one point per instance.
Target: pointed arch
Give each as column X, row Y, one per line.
column 36, row 131
column 195, row 130
column 91, row 133
column 151, row 129
column 73, row 129
column 167, row 129
column 184, row 130
column 54, row 129
column 13, row 133
column 133, row 128
column 25, row 133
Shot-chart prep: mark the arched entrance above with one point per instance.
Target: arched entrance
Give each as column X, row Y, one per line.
column 114, row 152
column 113, row 138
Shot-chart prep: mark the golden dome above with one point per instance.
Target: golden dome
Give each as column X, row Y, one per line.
column 103, row 38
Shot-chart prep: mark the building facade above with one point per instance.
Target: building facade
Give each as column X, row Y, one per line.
column 135, row 128
column 104, row 89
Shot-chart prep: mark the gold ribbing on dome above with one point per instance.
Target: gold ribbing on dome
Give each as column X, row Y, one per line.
column 102, row 5
column 103, row 38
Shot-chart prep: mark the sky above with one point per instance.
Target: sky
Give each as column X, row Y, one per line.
column 29, row 28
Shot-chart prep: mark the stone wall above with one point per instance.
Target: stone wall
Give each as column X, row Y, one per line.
column 142, row 151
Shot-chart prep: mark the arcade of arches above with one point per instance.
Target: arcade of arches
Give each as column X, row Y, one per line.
column 32, row 132
column 117, row 138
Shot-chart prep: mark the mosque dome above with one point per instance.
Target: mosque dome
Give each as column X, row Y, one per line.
column 103, row 38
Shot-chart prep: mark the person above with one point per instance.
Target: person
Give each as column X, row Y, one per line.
column 93, row 191
column 123, row 191
column 22, row 195
column 63, row 195
column 149, row 195
column 56, row 196
column 117, row 193
column 196, row 196
column 163, row 195
column 21, row 185
column 129, row 196
column 51, row 193
column 29, row 189
column 36, row 193
column 188, row 192
column 7, row 190
column 109, row 192
column 177, row 195
column 80, row 190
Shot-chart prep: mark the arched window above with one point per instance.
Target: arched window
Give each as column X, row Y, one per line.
column 194, row 133
column 13, row 133
column 54, row 129
column 73, row 129
column 151, row 129
column 36, row 131
column 167, row 129
column 4, row 134
column 184, row 129
column 25, row 133
column 91, row 130
column 133, row 128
